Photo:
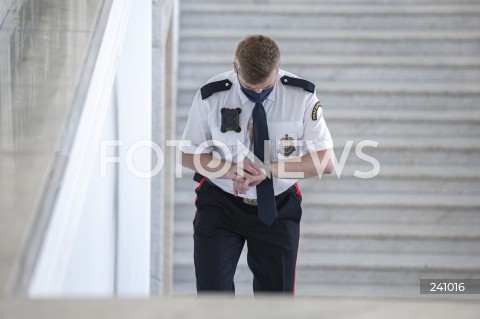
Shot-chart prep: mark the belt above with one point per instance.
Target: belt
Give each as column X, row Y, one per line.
column 249, row 201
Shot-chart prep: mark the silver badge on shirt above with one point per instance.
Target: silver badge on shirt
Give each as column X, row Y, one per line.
column 286, row 145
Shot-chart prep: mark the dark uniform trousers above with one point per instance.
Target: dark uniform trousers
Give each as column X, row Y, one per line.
column 222, row 224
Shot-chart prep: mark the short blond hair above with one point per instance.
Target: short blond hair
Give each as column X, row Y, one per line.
column 256, row 57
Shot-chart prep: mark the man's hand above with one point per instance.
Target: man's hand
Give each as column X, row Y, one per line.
column 247, row 175
column 240, row 186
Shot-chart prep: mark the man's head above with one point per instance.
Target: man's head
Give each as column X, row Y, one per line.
column 257, row 60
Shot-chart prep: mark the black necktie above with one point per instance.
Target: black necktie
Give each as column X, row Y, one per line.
column 267, row 208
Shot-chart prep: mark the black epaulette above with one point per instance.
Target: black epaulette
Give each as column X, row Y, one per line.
column 214, row 87
column 304, row 84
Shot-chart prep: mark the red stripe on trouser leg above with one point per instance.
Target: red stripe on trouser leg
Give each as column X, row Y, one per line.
column 200, row 184
column 196, row 198
column 198, row 188
column 299, row 193
column 295, row 274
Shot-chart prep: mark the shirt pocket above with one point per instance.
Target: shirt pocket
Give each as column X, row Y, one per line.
column 285, row 139
column 228, row 137
column 225, row 143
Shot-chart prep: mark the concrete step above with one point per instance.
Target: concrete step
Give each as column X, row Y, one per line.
column 380, row 231
column 351, row 73
column 339, row 42
column 412, row 172
column 395, row 200
column 389, row 123
column 378, row 87
column 320, row 8
column 376, row 100
column 338, row 114
column 397, row 180
column 400, row 115
column 393, row 245
column 411, row 152
column 354, row 269
column 330, row 16
column 351, row 244
column 407, row 129
column 334, row 290
column 404, row 185
column 372, row 290
column 309, row 60
column 344, row 69
column 335, row 113
column 382, row 207
column 378, row 96
column 392, row 262
column 376, row 129
column 375, row 231
column 216, row 34
column 450, row 143
column 323, row 238
column 382, row 185
column 363, row 214
column 434, row 215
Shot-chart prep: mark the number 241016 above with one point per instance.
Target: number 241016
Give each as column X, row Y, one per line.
column 447, row 287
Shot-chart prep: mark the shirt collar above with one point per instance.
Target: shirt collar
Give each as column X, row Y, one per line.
column 243, row 98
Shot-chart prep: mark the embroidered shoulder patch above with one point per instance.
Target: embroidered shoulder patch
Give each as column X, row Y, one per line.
column 315, row 110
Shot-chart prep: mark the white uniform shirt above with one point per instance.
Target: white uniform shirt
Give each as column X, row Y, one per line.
column 293, row 115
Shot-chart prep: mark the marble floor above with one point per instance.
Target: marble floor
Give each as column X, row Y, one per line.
column 241, row 308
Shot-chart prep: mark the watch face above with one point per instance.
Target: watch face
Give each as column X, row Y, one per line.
column 231, row 120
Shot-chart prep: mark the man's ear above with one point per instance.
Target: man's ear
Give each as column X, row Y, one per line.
column 235, row 67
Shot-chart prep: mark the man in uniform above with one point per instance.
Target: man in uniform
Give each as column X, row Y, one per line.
column 251, row 133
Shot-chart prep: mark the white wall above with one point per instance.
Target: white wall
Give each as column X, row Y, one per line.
column 98, row 238
column 135, row 116
column 91, row 267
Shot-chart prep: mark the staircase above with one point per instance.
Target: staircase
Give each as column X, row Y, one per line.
column 403, row 73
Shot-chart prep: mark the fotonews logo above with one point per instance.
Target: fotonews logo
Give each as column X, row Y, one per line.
column 364, row 166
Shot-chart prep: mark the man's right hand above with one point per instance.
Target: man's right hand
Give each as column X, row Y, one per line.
column 245, row 175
